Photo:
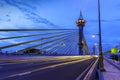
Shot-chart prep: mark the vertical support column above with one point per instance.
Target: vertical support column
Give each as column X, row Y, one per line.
column 80, row 40
column 100, row 40
column 93, row 49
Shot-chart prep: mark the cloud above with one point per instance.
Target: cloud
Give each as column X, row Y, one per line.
column 94, row 20
column 30, row 14
column 116, row 19
column 1, row 4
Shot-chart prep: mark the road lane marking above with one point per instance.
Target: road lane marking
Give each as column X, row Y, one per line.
column 25, row 73
column 47, row 67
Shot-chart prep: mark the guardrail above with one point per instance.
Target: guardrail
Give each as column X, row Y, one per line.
column 92, row 72
column 89, row 72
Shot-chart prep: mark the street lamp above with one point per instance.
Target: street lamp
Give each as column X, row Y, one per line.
column 93, row 36
column 100, row 41
column 95, row 48
column 80, row 23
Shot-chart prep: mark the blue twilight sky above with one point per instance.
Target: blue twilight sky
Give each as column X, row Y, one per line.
column 63, row 14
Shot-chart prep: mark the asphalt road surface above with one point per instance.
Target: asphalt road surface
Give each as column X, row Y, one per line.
column 53, row 68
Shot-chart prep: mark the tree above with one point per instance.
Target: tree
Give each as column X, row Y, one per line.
column 114, row 50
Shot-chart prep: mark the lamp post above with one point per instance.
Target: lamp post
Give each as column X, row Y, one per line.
column 80, row 23
column 95, row 46
column 100, row 41
column 93, row 50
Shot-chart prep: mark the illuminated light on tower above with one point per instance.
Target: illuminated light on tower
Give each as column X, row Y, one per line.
column 80, row 23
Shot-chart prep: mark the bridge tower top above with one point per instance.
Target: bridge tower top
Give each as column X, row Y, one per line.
column 80, row 21
column 80, row 17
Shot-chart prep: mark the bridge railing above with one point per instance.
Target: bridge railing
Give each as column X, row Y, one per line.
column 39, row 41
column 93, row 72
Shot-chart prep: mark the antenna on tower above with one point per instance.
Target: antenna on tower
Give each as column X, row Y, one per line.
column 80, row 17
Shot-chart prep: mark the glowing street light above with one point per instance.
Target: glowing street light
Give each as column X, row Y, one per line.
column 93, row 36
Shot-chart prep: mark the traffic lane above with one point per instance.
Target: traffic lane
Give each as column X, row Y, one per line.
column 64, row 72
column 36, row 63
column 34, row 77
column 27, row 63
column 24, row 68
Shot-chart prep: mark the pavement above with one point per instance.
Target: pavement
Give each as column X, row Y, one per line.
column 111, row 73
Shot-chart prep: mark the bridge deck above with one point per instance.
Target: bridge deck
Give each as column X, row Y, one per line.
column 44, row 67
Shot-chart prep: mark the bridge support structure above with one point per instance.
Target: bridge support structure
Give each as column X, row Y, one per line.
column 80, row 23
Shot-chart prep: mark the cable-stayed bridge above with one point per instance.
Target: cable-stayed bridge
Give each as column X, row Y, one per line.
column 42, row 50
column 43, row 54
column 42, row 41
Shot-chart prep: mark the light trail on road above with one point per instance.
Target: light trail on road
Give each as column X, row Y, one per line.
column 14, row 70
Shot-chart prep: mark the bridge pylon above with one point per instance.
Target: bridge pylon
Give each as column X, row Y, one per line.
column 80, row 23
